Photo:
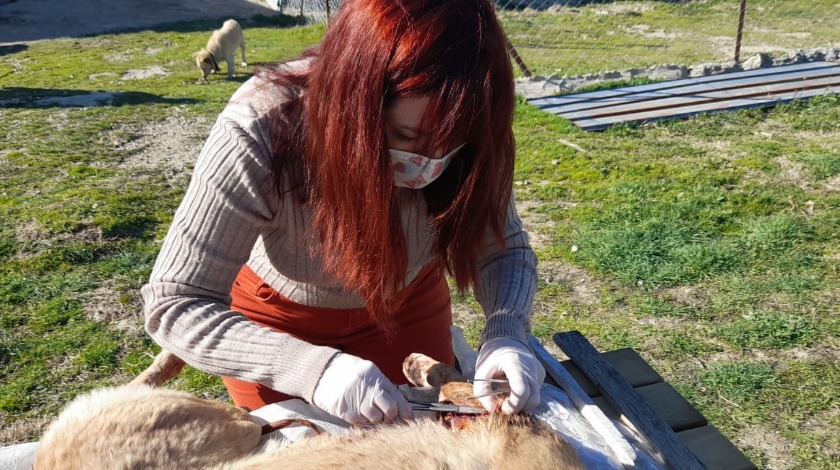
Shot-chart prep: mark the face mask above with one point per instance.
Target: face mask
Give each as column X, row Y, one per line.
column 415, row 171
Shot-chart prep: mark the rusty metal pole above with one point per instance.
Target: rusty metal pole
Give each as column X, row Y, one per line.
column 741, row 13
column 515, row 55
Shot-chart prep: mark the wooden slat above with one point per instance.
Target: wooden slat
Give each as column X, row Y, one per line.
column 701, row 91
column 666, row 403
column 551, row 101
column 674, row 453
column 672, row 407
column 712, row 107
column 714, row 450
column 632, row 368
column 621, row 448
column 724, row 96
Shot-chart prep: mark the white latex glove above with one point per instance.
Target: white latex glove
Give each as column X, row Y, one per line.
column 508, row 358
column 356, row 391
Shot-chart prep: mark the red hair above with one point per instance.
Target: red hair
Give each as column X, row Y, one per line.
column 375, row 51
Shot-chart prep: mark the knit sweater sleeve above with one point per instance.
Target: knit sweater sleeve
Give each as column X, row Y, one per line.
column 187, row 299
column 507, row 283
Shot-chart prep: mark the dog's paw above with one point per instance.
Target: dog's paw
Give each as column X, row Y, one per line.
column 244, row 64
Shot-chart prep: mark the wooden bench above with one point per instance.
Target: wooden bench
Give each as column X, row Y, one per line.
column 627, row 388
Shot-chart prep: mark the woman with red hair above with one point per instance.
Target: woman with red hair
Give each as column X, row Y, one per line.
column 334, row 192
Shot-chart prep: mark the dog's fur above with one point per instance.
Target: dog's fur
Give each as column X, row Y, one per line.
column 141, row 427
column 221, row 46
column 135, row 427
column 493, row 442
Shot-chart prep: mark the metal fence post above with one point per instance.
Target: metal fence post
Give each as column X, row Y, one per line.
column 516, row 58
column 327, row 9
column 741, row 14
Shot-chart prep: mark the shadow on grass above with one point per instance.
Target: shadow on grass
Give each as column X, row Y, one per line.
column 139, row 227
column 22, row 24
column 223, row 77
column 256, row 21
column 12, row 49
column 21, row 97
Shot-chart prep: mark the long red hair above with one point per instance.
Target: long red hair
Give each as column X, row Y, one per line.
column 375, row 51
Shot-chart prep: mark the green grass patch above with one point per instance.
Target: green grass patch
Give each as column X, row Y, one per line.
column 79, row 225
column 719, row 233
column 770, row 330
column 739, row 382
column 821, row 165
column 683, row 345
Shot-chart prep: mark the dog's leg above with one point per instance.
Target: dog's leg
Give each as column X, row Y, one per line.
column 165, row 366
column 423, row 371
column 242, row 48
column 231, row 66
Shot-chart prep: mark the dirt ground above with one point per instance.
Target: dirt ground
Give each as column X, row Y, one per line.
column 33, row 20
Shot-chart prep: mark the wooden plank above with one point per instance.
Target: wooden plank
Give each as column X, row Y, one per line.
column 666, row 403
column 693, row 91
column 714, row 450
column 718, row 106
column 687, row 90
column 622, row 450
column 672, row 407
column 700, row 98
column 675, row 84
column 621, row 91
column 657, row 434
column 632, row 368
column 672, row 84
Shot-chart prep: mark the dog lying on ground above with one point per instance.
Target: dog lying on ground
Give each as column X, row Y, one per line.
column 141, row 426
column 221, row 46
column 134, row 427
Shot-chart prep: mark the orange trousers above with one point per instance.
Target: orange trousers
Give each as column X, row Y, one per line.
column 423, row 326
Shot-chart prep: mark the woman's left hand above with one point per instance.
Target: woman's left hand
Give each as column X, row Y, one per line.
column 509, row 358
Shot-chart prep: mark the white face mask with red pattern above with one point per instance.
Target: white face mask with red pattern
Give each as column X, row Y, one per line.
column 415, row 171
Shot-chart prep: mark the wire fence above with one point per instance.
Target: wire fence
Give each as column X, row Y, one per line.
column 310, row 11
column 576, row 37
column 557, row 38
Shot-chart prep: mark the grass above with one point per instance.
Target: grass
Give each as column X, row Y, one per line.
column 717, row 256
column 599, row 36
column 80, row 225
column 708, row 245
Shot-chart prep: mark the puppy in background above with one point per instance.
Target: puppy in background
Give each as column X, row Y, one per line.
column 221, row 46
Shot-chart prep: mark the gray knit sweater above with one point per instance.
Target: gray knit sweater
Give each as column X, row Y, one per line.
column 230, row 216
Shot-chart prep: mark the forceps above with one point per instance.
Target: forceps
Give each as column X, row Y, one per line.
column 417, row 405
column 499, row 386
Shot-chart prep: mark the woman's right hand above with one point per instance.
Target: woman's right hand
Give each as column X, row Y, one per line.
column 356, row 391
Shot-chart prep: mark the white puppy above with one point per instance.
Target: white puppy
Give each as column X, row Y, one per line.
column 222, row 45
